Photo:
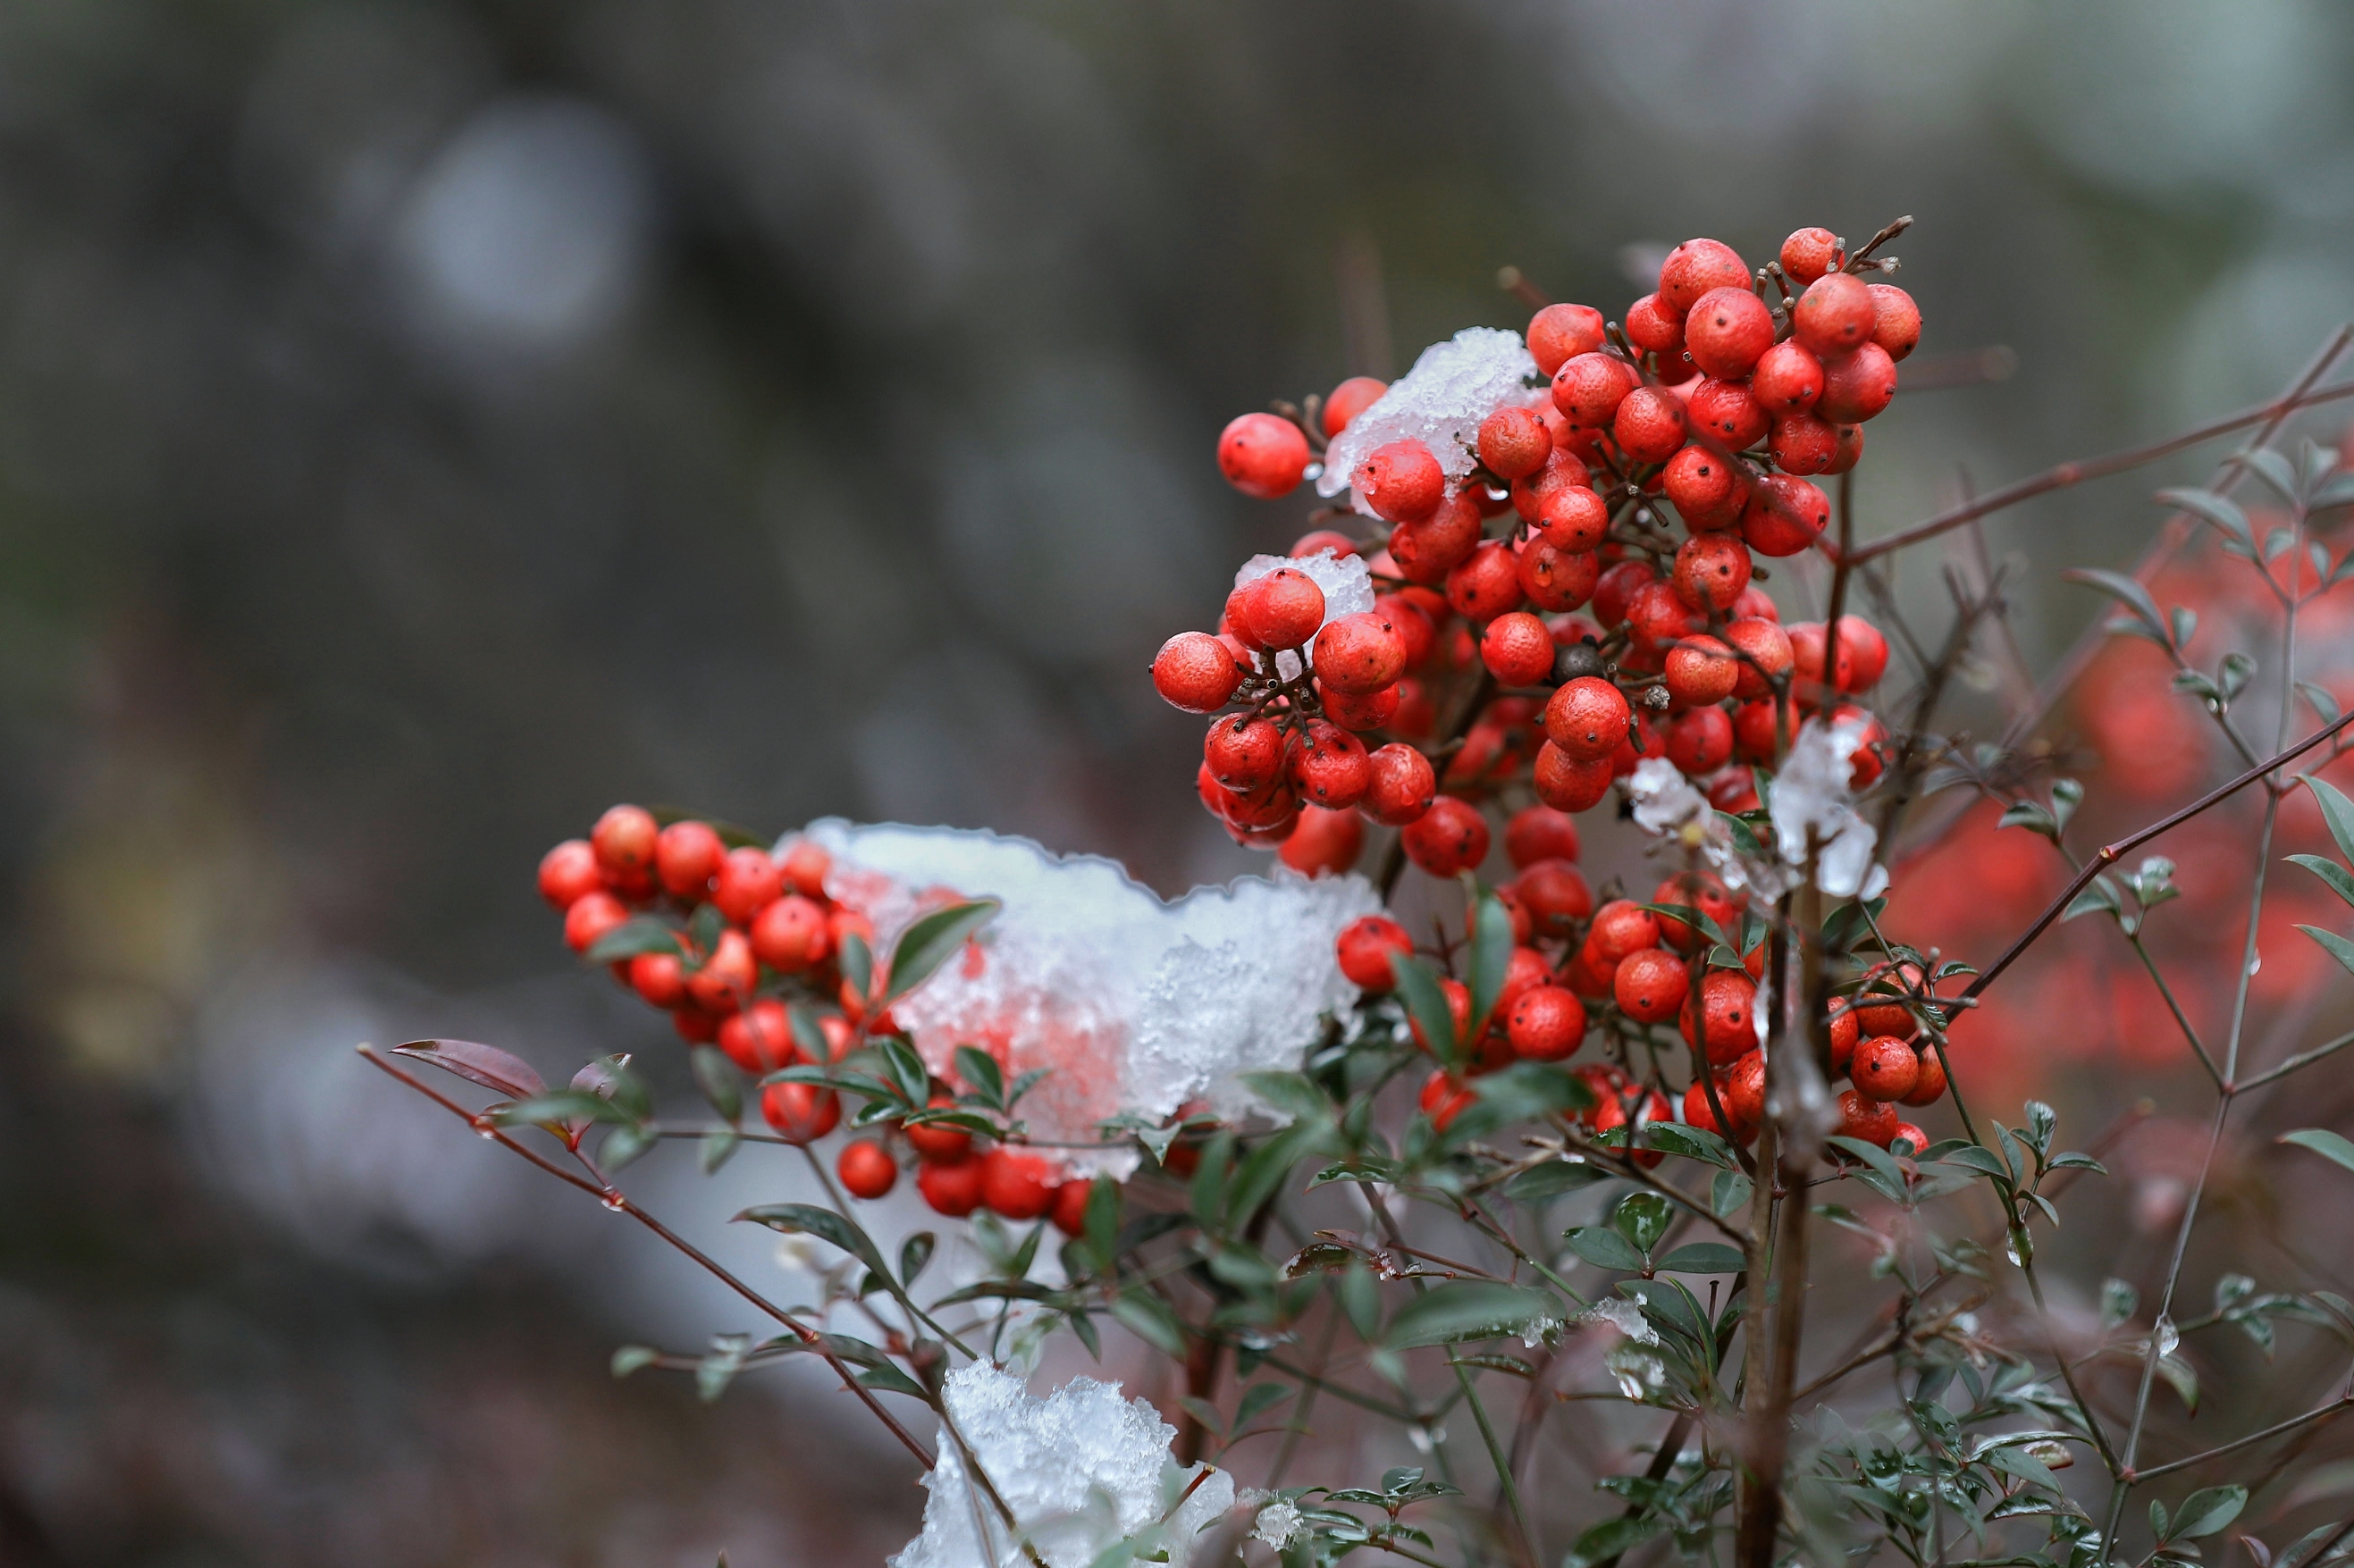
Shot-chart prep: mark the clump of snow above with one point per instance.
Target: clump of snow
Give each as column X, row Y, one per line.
column 1134, row 1005
column 1666, row 803
column 1440, row 402
column 1082, row 1470
column 1347, row 586
column 1624, row 1316
column 1278, row 1523
column 1812, row 805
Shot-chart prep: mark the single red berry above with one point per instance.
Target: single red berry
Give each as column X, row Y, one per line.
column 1547, row 1023
column 1699, row 741
column 1570, row 783
column 1784, row 515
column 1616, row 588
column 1756, row 604
column 1243, row 753
column 1757, row 730
column 1588, row 388
column 1328, row 767
column 1727, row 330
column 1701, row 670
column 1360, row 654
column 1523, row 970
column 725, row 981
column 1349, row 400
column 659, row 979
column 1553, row 892
column 1555, row 579
column 1263, row 455
column 1849, row 451
column 1530, row 492
column 624, row 840
column 1518, row 650
column 1650, row 424
column 952, row 1187
column 805, row 867
column 1869, row 756
column 1862, row 656
column 801, row 1113
column 1803, row 444
column 1450, row 837
column 1711, row 571
column 1326, row 842
column 1586, row 719
column 1895, row 319
column 1833, row 315
column 1658, row 618
column 1574, row 518
column 1425, row 551
column 1487, row 584
column 592, row 914
column 1650, row 985
column 1787, row 379
column 1443, row 1098
column 1845, row 1031
column 1907, row 1140
column 1560, row 332
column 1401, row 481
column 792, row 935
column 867, row 1169
column 569, row 872
column 1703, row 487
column 1364, row 946
column 1017, row 1183
column 1414, row 613
column 1281, row 609
column 1857, row 384
column 1193, row 672
column 1695, row 267
column 1403, row 785
column 748, row 883
column 1622, row 928
column 1070, row 1210
column 1699, row 1113
column 686, row 857
column 1810, row 253
column 1729, row 1027
column 1316, row 541
column 1929, row 1081
column 760, row 1038
column 1765, row 651
column 1362, row 711
column 1539, row 833
column 1878, row 1006
column 1699, row 890
column 1735, row 790
column 1729, row 412
column 1867, row 1120
column 1744, row 1090
column 939, row 1142
column 1513, row 443
column 1654, row 328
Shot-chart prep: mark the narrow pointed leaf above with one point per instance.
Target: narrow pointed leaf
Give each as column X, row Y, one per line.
column 488, row 1065
column 930, row 941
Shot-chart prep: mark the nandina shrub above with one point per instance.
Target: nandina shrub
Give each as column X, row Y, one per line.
column 1551, row 1234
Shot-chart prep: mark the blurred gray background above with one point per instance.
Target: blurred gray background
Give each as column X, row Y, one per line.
column 424, row 424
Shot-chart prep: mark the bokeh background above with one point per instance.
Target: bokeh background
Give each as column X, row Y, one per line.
column 422, row 424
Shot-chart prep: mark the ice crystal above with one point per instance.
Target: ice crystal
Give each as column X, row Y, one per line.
column 1627, row 1316
column 1440, row 402
column 1812, row 809
column 1347, row 586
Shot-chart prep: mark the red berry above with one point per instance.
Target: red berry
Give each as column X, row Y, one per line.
column 1425, row 551
column 686, row 857
column 1857, row 384
column 1263, row 455
column 760, row 1038
column 1364, row 946
column 1756, row 604
column 659, row 979
column 1757, row 730
column 748, row 881
column 1555, row 579
column 624, row 841
column 1401, row 481
column 569, row 872
column 938, row 1143
column 1459, row 1011
column 1450, row 837
column 1414, row 614
column 1895, row 319
column 1553, row 893
column 725, row 981
column 1928, row 1081
column 1070, row 1211
column 1570, row 783
column 1787, row 380
column 952, row 1187
column 1650, row 985
column 1698, row 1113
column 1845, row 1030
column 1728, row 411
column 1616, row 588
column 1194, row 672
column 1539, row 833
column 1700, row 742
column 1016, row 1183
column 1517, row 650
column 1701, row 670
column 1281, row 609
column 867, row 1169
column 1711, row 570
column 1810, row 253
column 805, row 867
column 1650, row 424
column 591, row 915
column 1559, row 333
column 1316, row 541
column 1649, row 1105
column 801, row 1113
column 1358, row 653
column 1657, row 618
column 1586, row 719
column 1622, row 928
column 1727, row 330
column 1487, row 584
column 1744, row 1090
column 1574, row 518
column 1834, row 315
column 1654, row 328
column 1325, row 843
column 1362, row 711
column 1884, row 1068
column 1403, row 785
column 1243, row 753
column 1547, row 1023
column 1699, row 890
column 1862, row 656
column 1513, row 442
column 1849, row 450
column 1735, row 790
column 1695, row 267
column 790, row 935
column 1868, row 1120
column 1803, row 444
column 1588, row 388
column 1706, row 489
column 694, row 1026
column 1443, row 1098
column 1765, row 650
column 1349, row 400
column 1529, row 493
column 1646, row 741
column 1784, row 515
column 1328, row 767
column 1729, row 1027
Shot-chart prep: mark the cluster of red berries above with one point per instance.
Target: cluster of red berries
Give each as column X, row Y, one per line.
column 1708, row 401
column 777, row 940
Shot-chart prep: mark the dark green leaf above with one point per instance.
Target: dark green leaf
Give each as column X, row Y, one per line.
column 2337, row 810
column 623, row 1145
column 807, row 1219
column 891, row 1380
column 1289, row 1094
column 1691, row 1143
column 2206, row 1512
column 1642, row 1218
column 2220, row 511
column 930, row 942
column 1727, row 1191
column 2335, row 946
column 717, row 1147
column 2131, row 595
column 1552, row 1178
column 721, row 1084
column 1604, row 1248
column 1467, row 1309
column 1426, row 1003
column 1491, row 955
column 638, row 934
column 914, row 1253
column 1257, row 1400
column 1152, row 1320
column 565, row 1106
column 1704, row 1257
column 857, row 963
column 981, row 1074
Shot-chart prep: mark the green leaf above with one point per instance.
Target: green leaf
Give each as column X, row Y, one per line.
column 1289, row 1094
column 1691, row 1143
column 610, row 1080
column 557, row 1109
column 1728, row 1192
column 915, row 1253
column 2335, row 946
column 981, row 1074
column 718, row 1148
column 1491, row 956
column 623, row 1145
column 807, row 1219
column 2118, row 1302
column 2206, row 1512
column 1426, row 1003
column 2033, row 817
column 857, row 963
column 2337, row 810
column 1604, row 1248
column 638, row 934
column 1642, row 1218
column 2220, row 511
column 1256, row 1401
column 2332, row 874
column 1554, row 1177
column 2099, row 895
column 716, row 1076
column 931, row 940
column 1874, row 1156
column 1467, row 1309
column 1704, row 1257
column 891, row 1380
column 2322, row 1142
column 2274, row 469
column 633, row 1358
column 1152, row 1320
column 2138, row 605
column 1263, row 1170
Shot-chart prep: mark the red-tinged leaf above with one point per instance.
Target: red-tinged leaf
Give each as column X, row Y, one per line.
column 488, row 1065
